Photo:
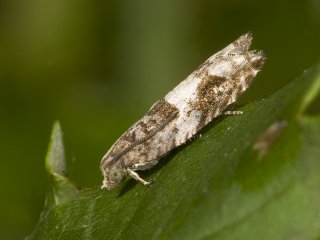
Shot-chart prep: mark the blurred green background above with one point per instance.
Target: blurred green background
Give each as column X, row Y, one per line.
column 98, row 65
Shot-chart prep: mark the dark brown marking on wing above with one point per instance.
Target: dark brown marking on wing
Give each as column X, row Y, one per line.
column 207, row 94
column 209, row 99
column 257, row 63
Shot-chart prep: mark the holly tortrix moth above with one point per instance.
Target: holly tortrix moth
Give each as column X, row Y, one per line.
column 171, row 121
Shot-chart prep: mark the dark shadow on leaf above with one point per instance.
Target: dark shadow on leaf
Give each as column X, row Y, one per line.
column 127, row 186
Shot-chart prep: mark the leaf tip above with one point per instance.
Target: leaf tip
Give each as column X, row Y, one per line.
column 55, row 159
column 61, row 188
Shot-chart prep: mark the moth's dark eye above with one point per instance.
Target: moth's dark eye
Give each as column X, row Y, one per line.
column 115, row 175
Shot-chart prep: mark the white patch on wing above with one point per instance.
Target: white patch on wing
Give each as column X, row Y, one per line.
column 220, row 69
column 185, row 91
column 187, row 125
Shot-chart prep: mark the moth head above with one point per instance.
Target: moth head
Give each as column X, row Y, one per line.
column 112, row 177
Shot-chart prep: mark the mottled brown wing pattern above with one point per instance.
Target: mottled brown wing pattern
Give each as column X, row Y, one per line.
column 160, row 115
column 202, row 96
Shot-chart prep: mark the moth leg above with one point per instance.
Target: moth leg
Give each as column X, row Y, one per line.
column 232, row 113
column 137, row 177
column 142, row 166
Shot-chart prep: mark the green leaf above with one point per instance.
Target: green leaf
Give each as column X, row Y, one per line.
column 61, row 189
column 215, row 187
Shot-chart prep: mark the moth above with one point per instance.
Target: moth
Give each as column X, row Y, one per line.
column 171, row 121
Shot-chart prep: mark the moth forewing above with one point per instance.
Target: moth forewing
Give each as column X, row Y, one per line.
column 170, row 122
